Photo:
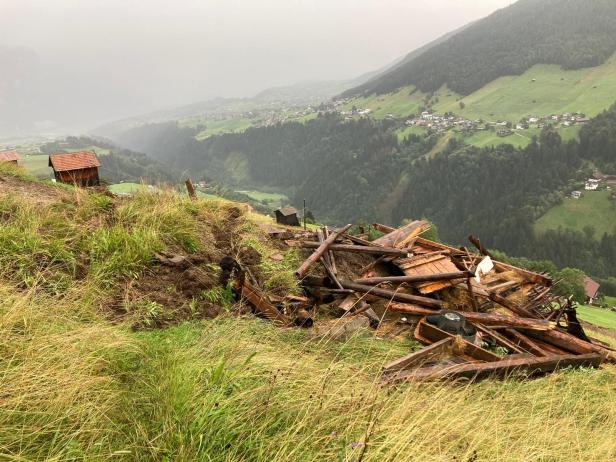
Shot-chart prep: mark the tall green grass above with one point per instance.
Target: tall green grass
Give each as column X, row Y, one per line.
column 75, row 386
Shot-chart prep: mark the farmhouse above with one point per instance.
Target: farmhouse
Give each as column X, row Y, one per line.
column 287, row 216
column 9, row 156
column 80, row 168
column 592, row 289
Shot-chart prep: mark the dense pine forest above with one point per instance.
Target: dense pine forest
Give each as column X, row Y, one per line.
column 570, row 33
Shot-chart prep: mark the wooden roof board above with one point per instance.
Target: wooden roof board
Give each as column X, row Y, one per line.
column 433, row 264
column 73, row 161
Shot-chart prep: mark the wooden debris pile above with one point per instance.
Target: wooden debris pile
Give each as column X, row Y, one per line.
column 476, row 316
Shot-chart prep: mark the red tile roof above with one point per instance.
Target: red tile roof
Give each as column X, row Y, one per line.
column 591, row 286
column 73, row 161
column 7, row 156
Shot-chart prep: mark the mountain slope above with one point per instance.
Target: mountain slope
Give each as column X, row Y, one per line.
column 571, row 33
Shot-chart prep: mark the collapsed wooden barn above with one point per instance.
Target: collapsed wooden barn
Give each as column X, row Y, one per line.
column 79, row 168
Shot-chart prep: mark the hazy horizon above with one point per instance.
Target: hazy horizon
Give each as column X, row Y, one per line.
column 72, row 64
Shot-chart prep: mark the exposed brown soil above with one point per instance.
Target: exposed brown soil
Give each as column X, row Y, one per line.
column 177, row 290
column 33, row 192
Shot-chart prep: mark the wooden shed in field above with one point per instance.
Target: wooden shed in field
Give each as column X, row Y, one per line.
column 9, row 156
column 287, row 216
column 80, row 168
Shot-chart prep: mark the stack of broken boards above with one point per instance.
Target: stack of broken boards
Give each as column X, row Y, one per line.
column 520, row 324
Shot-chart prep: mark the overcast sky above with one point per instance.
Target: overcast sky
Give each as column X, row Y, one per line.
column 115, row 58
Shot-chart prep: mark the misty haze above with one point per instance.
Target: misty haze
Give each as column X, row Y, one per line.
column 308, row 230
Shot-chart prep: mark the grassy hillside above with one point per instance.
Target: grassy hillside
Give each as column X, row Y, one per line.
column 103, row 357
column 542, row 90
column 553, row 91
column 573, row 34
column 594, row 208
column 598, row 316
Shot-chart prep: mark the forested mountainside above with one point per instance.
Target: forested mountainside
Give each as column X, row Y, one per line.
column 358, row 170
column 570, row 33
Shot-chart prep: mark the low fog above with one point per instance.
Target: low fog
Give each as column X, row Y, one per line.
column 68, row 65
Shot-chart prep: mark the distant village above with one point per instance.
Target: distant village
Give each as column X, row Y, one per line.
column 504, row 128
column 599, row 181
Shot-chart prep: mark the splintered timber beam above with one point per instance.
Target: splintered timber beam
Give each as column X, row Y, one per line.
column 401, row 237
column 415, row 279
column 190, row 188
column 487, row 319
column 500, row 339
column 419, row 357
column 526, row 342
column 390, row 251
column 428, row 334
column 568, row 342
column 393, row 295
column 268, row 310
column 318, row 253
column 502, row 368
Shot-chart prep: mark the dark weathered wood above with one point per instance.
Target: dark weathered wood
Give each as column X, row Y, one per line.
column 477, row 243
column 497, row 289
column 359, row 249
column 566, row 342
column 359, row 241
column 256, row 299
column 427, row 333
column 327, row 262
column 487, row 319
column 526, row 342
column 393, row 295
column 190, row 188
column 383, row 228
column 415, row 279
column 316, row 255
column 330, row 254
column 501, row 340
column 502, row 368
column 419, row 357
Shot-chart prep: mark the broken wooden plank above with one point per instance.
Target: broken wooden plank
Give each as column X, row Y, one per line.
column 330, row 254
column 478, row 245
column 390, row 251
column 502, row 287
column 499, row 339
column 502, row 368
column 256, row 299
column 419, row 357
column 488, row 319
column 404, row 235
column 427, row 333
column 190, row 188
column 415, row 278
column 526, row 342
column 314, row 257
column 393, row 295
column 567, row 342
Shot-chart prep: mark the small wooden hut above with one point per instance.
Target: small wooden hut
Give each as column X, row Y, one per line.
column 9, row 156
column 79, row 168
column 287, row 216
